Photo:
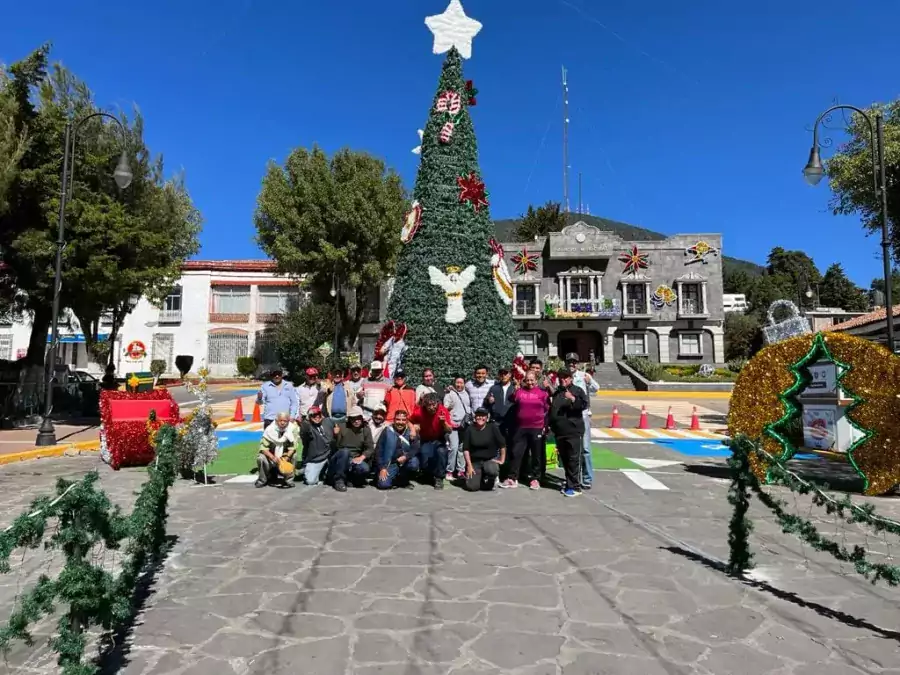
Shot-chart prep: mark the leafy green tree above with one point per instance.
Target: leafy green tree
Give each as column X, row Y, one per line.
column 540, row 221
column 12, row 141
column 850, row 174
column 742, row 333
column 796, row 273
column 119, row 244
column 876, row 288
column 836, row 290
column 737, row 281
column 300, row 334
column 447, row 265
column 336, row 221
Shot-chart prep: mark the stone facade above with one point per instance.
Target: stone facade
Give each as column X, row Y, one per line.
column 573, row 293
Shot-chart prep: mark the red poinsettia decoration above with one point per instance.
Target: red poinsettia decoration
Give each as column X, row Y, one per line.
column 472, row 190
column 471, row 92
column 634, row 260
column 525, row 261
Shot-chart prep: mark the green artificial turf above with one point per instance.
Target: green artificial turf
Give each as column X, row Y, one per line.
column 604, row 460
column 237, row 460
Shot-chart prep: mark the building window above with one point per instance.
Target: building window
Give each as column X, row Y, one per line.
column 528, row 344
column 526, row 300
column 277, row 300
column 636, row 344
column 231, row 300
column 691, row 299
column 171, row 308
column 636, row 299
column 690, row 344
column 5, row 347
column 372, row 308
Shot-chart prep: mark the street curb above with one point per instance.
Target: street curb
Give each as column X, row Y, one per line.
column 67, row 449
column 613, row 393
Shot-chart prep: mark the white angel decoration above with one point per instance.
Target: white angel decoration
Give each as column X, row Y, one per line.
column 454, row 284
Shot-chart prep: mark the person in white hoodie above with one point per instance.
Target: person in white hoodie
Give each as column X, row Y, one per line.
column 584, row 381
column 280, row 441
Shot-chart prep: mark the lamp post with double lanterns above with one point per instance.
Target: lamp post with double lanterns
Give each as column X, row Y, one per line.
column 123, row 176
column 814, row 171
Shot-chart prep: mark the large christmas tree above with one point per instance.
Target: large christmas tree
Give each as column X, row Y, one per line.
column 452, row 290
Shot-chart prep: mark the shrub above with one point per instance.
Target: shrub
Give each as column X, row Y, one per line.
column 736, row 365
column 645, row 367
column 158, row 367
column 246, row 366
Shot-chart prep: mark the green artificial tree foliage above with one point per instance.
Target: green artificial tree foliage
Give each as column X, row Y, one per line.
column 452, row 234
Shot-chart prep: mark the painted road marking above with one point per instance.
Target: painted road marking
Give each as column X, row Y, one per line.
column 652, row 463
column 653, row 434
column 643, row 480
column 248, row 478
column 681, row 410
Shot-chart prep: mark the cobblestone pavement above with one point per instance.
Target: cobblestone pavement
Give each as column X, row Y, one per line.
column 527, row 583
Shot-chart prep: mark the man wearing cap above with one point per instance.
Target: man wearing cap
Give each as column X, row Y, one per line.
column 433, row 424
column 397, row 454
column 318, row 436
column 355, row 448
column 499, row 402
column 277, row 396
column 588, row 385
column 371, row 393
column 309, row 393
column 378, row 422
column 566, row 420
column 400, row 397
column 355, row 383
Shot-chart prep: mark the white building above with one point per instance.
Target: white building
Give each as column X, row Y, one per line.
column 735, row 302
column 218, row 311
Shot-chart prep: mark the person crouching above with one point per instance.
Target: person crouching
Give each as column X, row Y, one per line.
column 355, row 448
column 277, row 451
column 397, row 454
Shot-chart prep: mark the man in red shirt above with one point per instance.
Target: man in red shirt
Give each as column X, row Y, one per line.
column 433, row 423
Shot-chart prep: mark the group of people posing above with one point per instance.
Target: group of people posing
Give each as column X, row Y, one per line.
column 480, row 431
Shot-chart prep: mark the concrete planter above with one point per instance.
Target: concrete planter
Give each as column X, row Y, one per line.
column 643, row 384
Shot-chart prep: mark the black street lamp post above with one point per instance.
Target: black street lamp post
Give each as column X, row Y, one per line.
column 814, row 172
column 122, row 175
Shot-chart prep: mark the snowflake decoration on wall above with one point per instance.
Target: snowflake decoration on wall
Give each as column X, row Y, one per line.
column 525, row 261
column 634, row 260
column 700, row 251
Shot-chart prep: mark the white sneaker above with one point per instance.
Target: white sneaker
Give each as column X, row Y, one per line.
column 508, row 484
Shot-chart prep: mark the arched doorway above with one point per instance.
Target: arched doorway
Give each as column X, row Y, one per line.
column 588, row 344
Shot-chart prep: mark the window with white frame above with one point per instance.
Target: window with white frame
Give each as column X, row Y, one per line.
column 636, row 344
column 528, row 344
column 173, row 300
column 691, row 299
column 636, row 298
column 526, row 300
column 231, row 300
column 278, row 300
column 690, row 344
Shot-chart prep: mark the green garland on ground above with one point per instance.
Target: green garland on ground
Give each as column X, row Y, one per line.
column 93, row 596
column 740, row 558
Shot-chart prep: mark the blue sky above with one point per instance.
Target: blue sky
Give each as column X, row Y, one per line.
column 685, row 117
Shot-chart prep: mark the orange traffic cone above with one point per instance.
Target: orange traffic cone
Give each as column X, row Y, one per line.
column 670, row 421
column 614, row 424
column 643, row 424
column 256, row 416
column 695, row 421
column 238, row 412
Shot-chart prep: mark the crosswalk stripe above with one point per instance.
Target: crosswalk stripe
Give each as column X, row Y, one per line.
column 644, row 480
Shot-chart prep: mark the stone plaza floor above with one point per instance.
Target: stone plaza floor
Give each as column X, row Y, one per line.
column 618, row 581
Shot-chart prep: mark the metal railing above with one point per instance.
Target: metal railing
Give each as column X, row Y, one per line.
column 169, row 316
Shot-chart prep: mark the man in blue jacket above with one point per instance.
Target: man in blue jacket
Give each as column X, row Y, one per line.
column 277, row 396
column 397, row 454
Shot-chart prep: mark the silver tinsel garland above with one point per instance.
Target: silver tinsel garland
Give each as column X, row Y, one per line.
column 199, row 443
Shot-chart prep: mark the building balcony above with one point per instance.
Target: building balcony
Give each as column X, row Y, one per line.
column 270, row 317
column 169, row 316
column 526, row 309
column 598, row 308
column 220, row 317
column 692, row 310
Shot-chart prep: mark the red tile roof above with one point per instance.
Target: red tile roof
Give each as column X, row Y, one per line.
column 865, row 319
column 229, row 265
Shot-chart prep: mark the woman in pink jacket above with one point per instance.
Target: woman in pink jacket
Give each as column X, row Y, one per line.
column 531, row 406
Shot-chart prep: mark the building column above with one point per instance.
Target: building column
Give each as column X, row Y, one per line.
column 608, row 355
column 625, row 311
column 647, row 293
column 718, row 336
column 538, row 301
column 704, row 308
column 678, row 285
column 664, row 334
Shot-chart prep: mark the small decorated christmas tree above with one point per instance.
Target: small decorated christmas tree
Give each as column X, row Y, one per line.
column 199, row 444
column 452, row 290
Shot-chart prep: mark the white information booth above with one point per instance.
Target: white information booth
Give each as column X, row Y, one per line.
column 823, row 408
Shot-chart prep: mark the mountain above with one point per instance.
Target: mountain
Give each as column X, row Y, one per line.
column 505, row 230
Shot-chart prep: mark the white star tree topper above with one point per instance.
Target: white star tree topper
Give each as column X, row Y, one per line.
column 453, row 29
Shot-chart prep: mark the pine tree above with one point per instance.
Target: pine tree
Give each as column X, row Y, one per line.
column 836, row 290
column 453, row 236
